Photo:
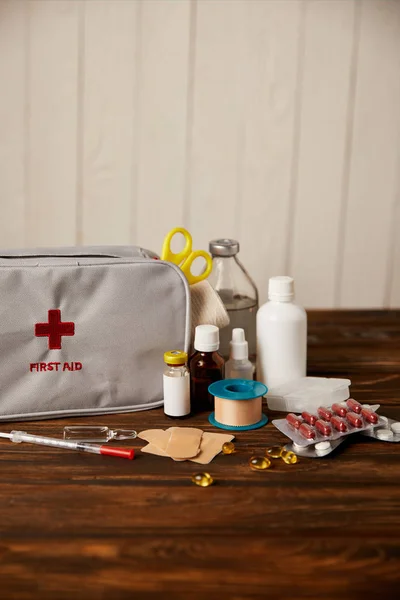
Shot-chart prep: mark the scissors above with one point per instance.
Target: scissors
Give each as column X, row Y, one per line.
column 185, row 258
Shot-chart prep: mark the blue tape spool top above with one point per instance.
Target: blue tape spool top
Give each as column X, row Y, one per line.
column 238, row 390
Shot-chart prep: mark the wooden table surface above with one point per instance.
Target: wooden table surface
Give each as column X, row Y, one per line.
column 82, row 526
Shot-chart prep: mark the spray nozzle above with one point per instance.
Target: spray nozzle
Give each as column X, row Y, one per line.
column 238, row 335
column 239, row 346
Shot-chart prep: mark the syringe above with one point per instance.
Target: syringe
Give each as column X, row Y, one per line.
column 22, row 436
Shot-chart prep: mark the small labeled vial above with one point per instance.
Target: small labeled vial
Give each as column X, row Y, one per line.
column 176, row 380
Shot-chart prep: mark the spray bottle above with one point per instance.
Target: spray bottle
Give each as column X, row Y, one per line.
column 238, row 365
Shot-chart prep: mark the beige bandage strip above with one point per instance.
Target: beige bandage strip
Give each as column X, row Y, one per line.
column 211, row 445
column 152, row 449
column 184, row 442
column 156, row 437
column 238, row 412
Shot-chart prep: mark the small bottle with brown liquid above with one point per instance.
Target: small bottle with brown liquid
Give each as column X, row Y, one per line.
column 206, row 366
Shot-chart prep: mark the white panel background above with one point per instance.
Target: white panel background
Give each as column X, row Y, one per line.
column 273, row 121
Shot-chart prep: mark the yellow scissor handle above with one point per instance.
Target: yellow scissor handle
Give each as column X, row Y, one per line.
column 188, row 264
column 179, row 257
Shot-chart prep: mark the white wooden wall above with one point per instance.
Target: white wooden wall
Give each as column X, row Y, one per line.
column 276, row 122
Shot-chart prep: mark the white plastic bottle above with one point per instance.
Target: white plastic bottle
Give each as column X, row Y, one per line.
column 281, row 335
column 238, row 365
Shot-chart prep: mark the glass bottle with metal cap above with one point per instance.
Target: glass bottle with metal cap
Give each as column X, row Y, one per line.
column 176, row 380
column 237, row 291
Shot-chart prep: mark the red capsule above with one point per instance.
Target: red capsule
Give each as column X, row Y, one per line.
column 354, row 419
column 293, row 420
column 307, row 431
column 311, row 419
column 354, row 406
column 323, row 427
column 339, row 424
column 324, row 413
column 339, row 410
column 369, row 416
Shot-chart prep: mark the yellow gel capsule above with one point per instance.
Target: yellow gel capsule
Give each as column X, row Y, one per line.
column 289, row 457
column 274, row 451
column 259, row 463
column 202, row 479
column 228, row 448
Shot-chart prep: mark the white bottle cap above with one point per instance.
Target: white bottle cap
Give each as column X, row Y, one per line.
column 281, row 288
column 239, row 346
column 206, row 338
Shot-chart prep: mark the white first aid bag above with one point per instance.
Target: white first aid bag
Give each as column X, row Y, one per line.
column 83, row 331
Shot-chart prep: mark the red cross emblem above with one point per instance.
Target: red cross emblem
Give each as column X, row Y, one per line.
column 54, row 329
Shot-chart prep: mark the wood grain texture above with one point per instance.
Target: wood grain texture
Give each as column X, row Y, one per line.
column 12, row 121
column 52, row 72
column 110, row 38
column 96, row 527
column 321, row 155
column 373, row 183
column 163, row 97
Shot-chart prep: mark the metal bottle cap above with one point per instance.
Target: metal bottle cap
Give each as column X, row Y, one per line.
column 175, row 357
column 224, row 247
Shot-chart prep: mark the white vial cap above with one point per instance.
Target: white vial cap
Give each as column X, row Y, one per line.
column 206, row 338
column 281, row 288
column 239, row 346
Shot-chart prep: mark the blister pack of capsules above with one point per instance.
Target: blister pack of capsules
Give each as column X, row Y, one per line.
column 329, row 424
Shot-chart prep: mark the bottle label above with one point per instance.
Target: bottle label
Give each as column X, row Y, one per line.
column 177, row 396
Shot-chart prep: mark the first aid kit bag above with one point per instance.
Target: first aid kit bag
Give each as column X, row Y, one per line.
column 83, row 331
